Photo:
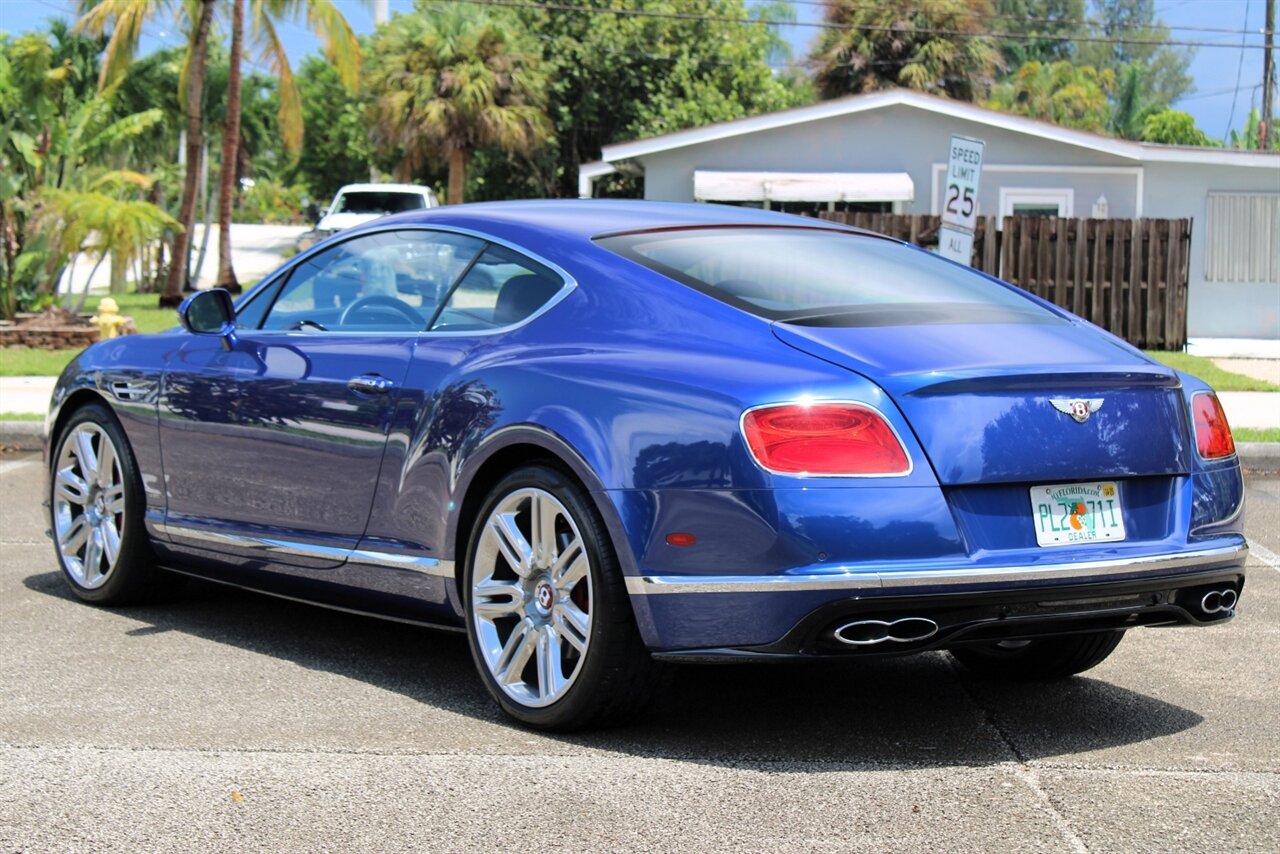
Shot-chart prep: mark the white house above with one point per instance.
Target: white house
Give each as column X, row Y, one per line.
column 888, row 151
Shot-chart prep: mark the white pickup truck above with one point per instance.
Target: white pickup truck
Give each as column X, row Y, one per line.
column 359, row 203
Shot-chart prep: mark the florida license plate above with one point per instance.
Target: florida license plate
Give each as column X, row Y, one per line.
column 1070, row 513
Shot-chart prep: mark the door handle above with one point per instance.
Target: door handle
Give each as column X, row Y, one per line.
column 370, row 384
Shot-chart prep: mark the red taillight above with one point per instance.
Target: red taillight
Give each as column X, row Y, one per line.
column 824, row 439
column 1213, row 434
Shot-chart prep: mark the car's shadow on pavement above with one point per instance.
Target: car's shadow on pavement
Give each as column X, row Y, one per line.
column 916, row 711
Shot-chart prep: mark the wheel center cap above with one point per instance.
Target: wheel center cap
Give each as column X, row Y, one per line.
column 544, row 596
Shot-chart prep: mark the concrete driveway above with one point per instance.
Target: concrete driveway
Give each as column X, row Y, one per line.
column 225, row 720
column 256, row 250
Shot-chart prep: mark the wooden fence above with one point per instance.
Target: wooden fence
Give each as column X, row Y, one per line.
column 1127, row 276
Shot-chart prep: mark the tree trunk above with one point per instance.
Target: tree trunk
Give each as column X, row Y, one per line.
column 457, row 174
column 119, row 273
column 230, row 161
column 172, row 295
column 207, row 221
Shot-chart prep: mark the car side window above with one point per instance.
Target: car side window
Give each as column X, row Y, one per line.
column 390, row 281
column 502, row 288
column 250, row 313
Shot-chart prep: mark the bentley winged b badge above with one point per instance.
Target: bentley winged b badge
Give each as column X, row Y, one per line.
column 1080, row 410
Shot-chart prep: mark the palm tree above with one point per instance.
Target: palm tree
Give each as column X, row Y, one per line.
column 59, row 136
column 102, row 221
column 341, row 47
column 453, row 81
column 934, row 46
column 126, row 18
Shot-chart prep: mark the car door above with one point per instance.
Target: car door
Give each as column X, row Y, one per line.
column 278, row 441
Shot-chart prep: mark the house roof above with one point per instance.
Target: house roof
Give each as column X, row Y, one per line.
column 1137, row 151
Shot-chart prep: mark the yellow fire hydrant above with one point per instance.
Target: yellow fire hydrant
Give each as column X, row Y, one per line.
column 108, row 319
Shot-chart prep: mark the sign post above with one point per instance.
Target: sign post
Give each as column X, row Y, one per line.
column 960, row 199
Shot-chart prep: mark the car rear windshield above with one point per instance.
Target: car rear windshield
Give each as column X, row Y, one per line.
column 375, row 202
column 825, row 277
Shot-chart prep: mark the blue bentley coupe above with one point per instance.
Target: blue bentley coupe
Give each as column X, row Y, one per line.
column 597, row 436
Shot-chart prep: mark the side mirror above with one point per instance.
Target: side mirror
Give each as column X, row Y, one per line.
column 210, row 312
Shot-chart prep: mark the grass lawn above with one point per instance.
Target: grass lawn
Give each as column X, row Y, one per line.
column 28, row 362
column 142, row 308
column 21, row 416
column 1205, row 369
column 1254, row 434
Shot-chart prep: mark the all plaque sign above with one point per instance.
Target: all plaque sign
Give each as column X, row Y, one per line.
column 955, row 244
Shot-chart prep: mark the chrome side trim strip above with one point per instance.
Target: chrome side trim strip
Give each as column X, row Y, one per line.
column 887, row 579
column 390, row 560
column 271, row 545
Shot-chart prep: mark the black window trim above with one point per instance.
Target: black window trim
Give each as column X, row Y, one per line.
column 281, row 276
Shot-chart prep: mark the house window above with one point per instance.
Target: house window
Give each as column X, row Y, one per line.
column 1020, row 201
column 1243, row 241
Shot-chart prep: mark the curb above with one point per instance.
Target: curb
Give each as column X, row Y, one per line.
column 1262, row 457
column 21, row 435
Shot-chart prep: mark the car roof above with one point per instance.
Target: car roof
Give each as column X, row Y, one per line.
column 384, row 188
column 587, row 218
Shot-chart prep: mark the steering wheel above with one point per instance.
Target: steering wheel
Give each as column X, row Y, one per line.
column 383, row 301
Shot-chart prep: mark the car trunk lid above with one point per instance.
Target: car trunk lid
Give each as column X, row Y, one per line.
column 985, row 399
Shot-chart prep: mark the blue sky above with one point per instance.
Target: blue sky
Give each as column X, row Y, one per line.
column 1228, row 79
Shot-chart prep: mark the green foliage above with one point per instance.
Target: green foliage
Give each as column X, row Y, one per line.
column 61, row 142
column 337, row 149
column 1250, row 136
column 451, row 80
column 341, row 51
column 1162, row 74
column 1174, row 127
column 270, row 201
column 1041, row 18
column 618, row 77
column 884, row 45
column 599, row 78
column 1062, row 93
column 1130, row 105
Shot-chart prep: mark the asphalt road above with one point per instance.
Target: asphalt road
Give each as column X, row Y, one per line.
column 230, row 721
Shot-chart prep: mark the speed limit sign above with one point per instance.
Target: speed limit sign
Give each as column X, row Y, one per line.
column 960, row 196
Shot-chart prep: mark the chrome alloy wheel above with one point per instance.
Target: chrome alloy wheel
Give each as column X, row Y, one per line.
column 531, row 597
column 88, row 505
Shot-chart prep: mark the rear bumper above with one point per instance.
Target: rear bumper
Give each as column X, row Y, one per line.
column 948, row 576
column 796, row 614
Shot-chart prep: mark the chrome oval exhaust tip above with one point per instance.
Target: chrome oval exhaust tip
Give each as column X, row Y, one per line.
column 902, row 630
column 1219, row 601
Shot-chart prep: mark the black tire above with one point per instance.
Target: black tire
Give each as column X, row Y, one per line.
column 134, row 576
column 1038, row 660
column 615, row 677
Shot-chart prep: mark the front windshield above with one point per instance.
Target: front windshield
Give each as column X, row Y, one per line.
column 824, row 277
column 367, row 202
